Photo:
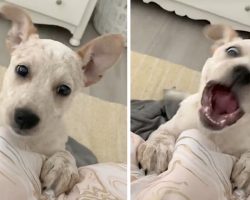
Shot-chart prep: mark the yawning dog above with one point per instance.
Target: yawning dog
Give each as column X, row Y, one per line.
column 41, row 81
column 219, row 109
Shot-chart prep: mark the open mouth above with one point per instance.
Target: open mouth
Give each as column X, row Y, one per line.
column 219, row 106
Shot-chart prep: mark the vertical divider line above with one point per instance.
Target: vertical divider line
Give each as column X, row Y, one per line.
column 128, row 95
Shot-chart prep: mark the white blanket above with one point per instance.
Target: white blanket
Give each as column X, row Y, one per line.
column 198, row 170
column 20, row 171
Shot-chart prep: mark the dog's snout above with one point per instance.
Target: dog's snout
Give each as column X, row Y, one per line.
column 25, row 119
column 241, row 75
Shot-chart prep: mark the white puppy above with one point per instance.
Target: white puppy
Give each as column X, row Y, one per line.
column 219, row 109
column 40, row 83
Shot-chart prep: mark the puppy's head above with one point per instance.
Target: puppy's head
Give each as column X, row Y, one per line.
column 44, row 75
column 225, row 82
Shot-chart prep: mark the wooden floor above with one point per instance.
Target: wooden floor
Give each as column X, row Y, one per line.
column 113, row 86
column 165, row 35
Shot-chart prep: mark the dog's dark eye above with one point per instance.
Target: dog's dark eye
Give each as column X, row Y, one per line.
column 63, row 90
column 22, row 70
column 233, row 51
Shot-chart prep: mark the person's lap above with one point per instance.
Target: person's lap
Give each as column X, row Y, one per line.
column 198, row 170
column 20, row 171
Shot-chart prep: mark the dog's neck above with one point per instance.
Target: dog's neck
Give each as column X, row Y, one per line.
column 54, row 139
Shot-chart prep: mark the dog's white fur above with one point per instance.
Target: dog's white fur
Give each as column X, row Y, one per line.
column 50, row 64
column 155, row 154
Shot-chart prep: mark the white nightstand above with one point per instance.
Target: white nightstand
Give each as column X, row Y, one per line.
column 73, row 15
column 232, row 12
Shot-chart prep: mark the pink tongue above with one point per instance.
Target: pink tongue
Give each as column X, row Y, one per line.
column 223, row 101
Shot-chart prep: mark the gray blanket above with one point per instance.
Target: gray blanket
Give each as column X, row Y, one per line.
column 81, row 153
column 148, row 115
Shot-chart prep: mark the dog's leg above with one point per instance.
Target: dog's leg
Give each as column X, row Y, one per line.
column 241, row 173
column 239, row 194
column 59, row 173
column 155, row 154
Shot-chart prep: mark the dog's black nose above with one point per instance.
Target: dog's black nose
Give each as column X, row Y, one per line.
column 25, row 119
column 241, row 75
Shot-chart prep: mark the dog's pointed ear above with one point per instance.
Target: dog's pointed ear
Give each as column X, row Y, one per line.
column 98, row 55
column 219, row 34
column 22, row 27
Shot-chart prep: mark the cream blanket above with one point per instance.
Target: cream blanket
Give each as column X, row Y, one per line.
column 20, row 171
column 198, row 170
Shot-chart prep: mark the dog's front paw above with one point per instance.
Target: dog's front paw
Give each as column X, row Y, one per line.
column 59, row 173
column 241, row 173
column 155, row 154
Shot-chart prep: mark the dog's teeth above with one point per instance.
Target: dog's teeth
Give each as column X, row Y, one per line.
column 212, row 120
column 206, row 109
column 223, row 121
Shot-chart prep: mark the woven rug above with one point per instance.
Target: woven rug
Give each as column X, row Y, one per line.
column 151, row 75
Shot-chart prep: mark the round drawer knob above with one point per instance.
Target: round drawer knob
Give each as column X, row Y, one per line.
column 247, row 8
column 58, row 2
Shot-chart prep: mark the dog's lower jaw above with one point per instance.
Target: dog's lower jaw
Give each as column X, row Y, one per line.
column 48, row 143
